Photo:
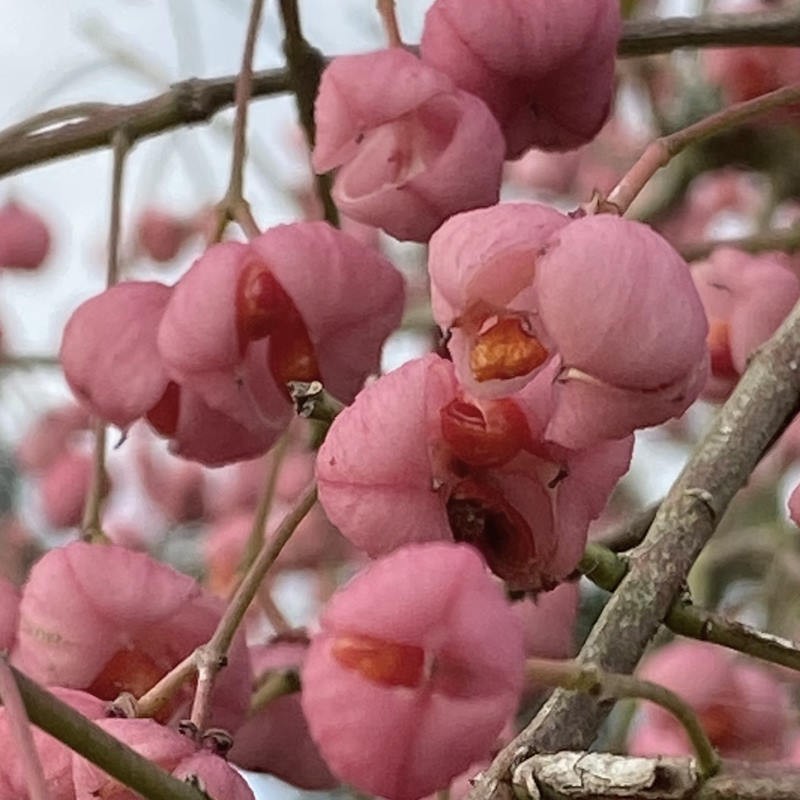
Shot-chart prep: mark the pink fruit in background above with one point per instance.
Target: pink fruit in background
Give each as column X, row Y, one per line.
column 741, row 705
column 109, row 354
column 24, row 237
column 107, row 620
column 160, row 234
column 63, row 488
column 746, row 72
column 544, row 67
column 416, row 668
column 405, row 140
column 49, row 435
column 746, row 297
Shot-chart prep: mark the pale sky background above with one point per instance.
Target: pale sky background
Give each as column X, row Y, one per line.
column 54, row 52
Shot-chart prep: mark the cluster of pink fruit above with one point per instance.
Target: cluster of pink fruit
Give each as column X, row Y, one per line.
column 463, row 472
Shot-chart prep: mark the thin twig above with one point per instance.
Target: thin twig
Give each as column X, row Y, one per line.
column 256, row 538
column 647, row 37
column 785, row 241
column 388, row 14
column 764, row 401
column 586, row 678
column 631, row 531
column 93, row 743
column 21, row 734
column 28, row 362
column 305, row 65
column 91, row 525
column 606, row 570
column 234, row 206
column 155, row 698
column 186, row 103
column 277, row 684
column 211, row 657
column 659, row 152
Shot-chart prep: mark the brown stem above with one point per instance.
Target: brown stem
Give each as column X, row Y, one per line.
column 659, row 152
column 589, row 679
column 786, row 241
column 197, row 100
column 233, row 205
column 277, row 684
column 28, row 362
column 646, row 37
column 305, row 65
column 386, row 8
column 762, row 404
column 91, row 525
column 256, row 538
column 211, row 657
column 155, row 698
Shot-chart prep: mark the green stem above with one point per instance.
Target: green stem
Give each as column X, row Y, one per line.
column 592, row 680
column 90, row 741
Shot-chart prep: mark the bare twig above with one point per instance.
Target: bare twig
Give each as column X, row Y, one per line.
column 631, row 531
column 786, row 241
column 305, row 65
column 647, row 37
column 211, row 657
column 256, row 538
column 583, row 678
column 197, row 100
column 155, row 698
column 91, row 525
column 659, row 152
column 277, row 684
column 186, row 103
column 388, row 14
column 764, row 401
column 233, row 205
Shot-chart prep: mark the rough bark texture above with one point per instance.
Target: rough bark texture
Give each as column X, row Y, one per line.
column 760, row 407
